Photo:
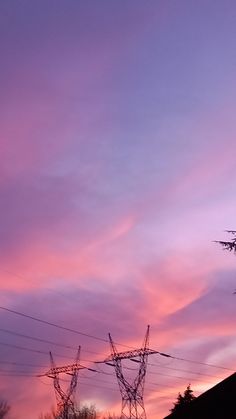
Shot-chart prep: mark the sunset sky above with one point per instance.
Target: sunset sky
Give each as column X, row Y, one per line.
column 117, row 163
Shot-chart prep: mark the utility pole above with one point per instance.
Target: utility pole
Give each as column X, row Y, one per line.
column 65, row 398
column 132, row 406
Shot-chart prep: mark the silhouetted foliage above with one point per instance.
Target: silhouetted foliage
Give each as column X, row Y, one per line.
column 110, row 417
column 86, row 412
column 4, row 409
column 184, row 400
column 231, row 244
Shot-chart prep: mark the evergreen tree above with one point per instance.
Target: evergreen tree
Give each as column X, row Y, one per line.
column 184, row 400
column 229, row 244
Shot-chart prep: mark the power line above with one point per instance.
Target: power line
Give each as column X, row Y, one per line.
column 175, row 369
column 22, row 374
column 10, row 332
column 148, row 388
column 84, row 334
column 38, row 351
column 201, row 363
column 94, row 385
column 178, row 377
column 106, row 340
column 180, row 369
column 58, row 326
column 22, row 364
column 31, row 350
column 11, row 373
column 108, row 382
column 97, row 371
column 96, row 353
column 174, row 376
column 53, row 324
column 15, row 375
column 18, row 375
column 110, row 374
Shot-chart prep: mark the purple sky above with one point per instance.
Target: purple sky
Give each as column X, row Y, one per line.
column 117, row 163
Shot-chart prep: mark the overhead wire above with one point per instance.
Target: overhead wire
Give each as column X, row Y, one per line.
column 132, row 369
column 38, row 351
column 81, row 384
column 183, row 370
column 31, row 350
column 68, row 329
column 175, row 369
column 7, row 373
column 106, row 340
column 10, row 332
column 201, row 363
column 20, row 374
column 98, row 370
column 22, row 364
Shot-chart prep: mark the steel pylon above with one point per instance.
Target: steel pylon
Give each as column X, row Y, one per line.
column 132, row 406
column 65, row 398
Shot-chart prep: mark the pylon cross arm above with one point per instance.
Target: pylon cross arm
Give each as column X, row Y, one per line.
column 64, row 369
column 130, row 354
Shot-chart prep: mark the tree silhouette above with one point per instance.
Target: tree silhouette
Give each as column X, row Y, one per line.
column 85, row 412
column 230, row 244
column 184, row 400
column 4, row 409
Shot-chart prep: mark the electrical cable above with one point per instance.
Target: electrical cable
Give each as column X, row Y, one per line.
column 53, row 324
column 10, row 332
column 180, row 369
column 31, row 350
column 21, row 364
column 106, row 340
column 70, row 347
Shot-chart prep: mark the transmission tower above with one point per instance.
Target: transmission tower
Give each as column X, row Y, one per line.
column 65, row 398
column 131, row 392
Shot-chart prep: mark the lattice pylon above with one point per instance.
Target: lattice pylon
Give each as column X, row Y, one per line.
column 65, row 399
column 131, row 393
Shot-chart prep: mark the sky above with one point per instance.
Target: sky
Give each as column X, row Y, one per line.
column 117, row 173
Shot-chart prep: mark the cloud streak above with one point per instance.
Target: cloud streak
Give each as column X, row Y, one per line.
column 116, row 173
